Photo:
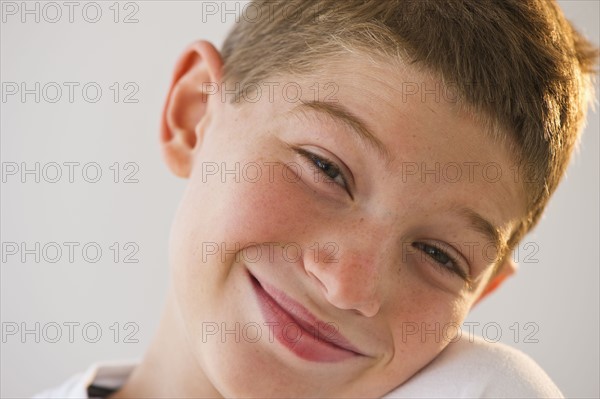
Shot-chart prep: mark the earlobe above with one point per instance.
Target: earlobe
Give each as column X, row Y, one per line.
column 507, row 269
column 186, row 111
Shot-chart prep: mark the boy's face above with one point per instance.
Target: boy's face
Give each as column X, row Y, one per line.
column 303, row 253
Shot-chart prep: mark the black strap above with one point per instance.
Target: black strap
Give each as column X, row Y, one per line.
column 95, row 391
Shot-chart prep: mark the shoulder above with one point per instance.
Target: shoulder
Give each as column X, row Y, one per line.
column 472, row 367
column 74, row 387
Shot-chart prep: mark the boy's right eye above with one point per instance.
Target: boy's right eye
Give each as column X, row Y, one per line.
column 325, row 169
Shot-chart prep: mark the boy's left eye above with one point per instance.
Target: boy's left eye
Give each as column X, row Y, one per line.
column 442, row 259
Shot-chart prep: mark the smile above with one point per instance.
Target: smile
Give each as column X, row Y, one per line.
column 299, row 330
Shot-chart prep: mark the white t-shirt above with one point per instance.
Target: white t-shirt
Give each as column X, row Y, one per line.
column 465, row 369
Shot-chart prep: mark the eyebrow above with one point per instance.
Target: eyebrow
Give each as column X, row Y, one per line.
column 483, row 226
column 340, row 113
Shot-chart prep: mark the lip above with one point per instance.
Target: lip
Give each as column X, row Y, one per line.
column 298, row 329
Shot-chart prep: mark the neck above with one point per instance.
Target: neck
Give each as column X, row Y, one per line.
column 169, row 367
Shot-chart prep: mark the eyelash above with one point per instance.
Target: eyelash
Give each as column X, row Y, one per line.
column 455, row 269
column 322, row 163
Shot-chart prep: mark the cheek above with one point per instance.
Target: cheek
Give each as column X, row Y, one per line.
column 222, row 214
column 268, row 210
column 429, row 324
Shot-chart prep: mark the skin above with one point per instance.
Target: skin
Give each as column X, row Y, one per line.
column 377, row 282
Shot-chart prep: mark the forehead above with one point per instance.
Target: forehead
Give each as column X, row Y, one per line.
column 409, row 109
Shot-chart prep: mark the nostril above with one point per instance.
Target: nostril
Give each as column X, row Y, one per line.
column 312, row 276
column 358, row 312
column 370, row 309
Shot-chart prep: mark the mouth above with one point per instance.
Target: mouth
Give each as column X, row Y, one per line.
column 298, row 330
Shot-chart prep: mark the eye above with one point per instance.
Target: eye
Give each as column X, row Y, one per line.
column 328, row 170
column 442, row 259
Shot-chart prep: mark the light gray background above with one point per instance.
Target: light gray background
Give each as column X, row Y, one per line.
column 559, row 293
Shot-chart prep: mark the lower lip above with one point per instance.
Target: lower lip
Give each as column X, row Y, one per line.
column 290, row 334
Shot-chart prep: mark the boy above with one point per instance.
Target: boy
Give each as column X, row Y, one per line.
column 351, row 189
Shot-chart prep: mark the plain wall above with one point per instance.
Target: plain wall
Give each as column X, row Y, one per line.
column 555, row 291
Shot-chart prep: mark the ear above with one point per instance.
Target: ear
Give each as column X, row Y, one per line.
column 506, row 269
column 186, row 112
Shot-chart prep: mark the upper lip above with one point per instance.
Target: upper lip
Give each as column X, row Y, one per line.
column 327, row 331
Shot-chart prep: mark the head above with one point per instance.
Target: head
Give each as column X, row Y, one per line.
column 369, row 165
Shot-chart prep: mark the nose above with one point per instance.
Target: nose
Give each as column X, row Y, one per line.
column 349, row 277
